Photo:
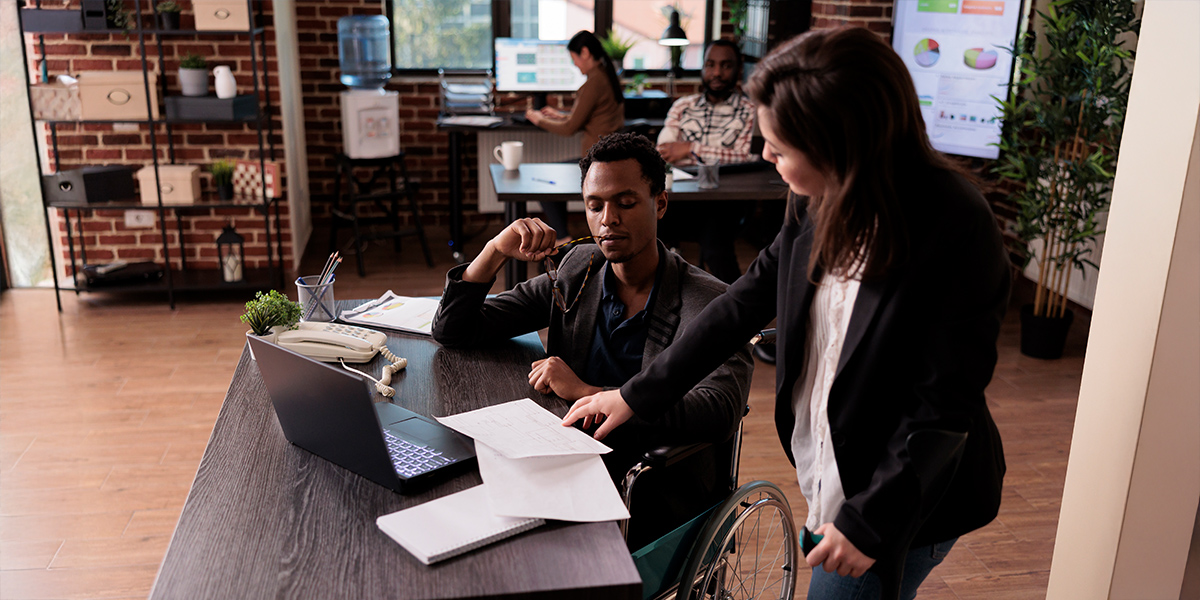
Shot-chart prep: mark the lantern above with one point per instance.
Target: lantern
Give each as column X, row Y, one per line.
column 231, row 252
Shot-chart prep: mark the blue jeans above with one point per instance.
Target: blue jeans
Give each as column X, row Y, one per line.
column 917, row 565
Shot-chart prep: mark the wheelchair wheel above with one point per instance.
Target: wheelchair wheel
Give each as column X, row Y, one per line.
column 748, row 549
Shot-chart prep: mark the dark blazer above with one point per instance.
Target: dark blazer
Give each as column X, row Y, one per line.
column 919, row 351
column 709, row 410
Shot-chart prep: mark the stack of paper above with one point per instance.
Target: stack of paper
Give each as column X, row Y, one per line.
column 390, row 311
column 533, row 468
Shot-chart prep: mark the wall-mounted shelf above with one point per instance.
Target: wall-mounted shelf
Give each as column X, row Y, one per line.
column 174, row 279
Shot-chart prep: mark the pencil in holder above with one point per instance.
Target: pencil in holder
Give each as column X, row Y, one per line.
column 316, row 298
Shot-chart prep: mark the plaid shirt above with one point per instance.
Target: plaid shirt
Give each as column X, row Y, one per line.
column 718, row 132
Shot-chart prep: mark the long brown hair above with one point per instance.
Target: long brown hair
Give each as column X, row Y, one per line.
column 846, row 101
column 586, row 39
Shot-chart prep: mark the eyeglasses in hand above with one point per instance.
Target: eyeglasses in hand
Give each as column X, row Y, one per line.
column 552, row 273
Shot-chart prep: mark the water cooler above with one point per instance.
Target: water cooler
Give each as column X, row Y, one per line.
column 370, row 114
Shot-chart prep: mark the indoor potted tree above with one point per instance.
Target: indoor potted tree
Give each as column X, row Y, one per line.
column 616, row 48
column 1063, row 126
column 222, row 172
column 193, row 75
column 168, row 15
column 268, row 314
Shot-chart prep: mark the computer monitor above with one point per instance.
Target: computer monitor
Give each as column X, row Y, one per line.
column 528, row 65
column 956, row 51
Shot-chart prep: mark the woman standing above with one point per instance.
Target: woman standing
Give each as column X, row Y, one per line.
column 888, row 282
column 599, row 110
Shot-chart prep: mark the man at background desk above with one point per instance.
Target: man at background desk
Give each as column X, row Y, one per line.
column 611, row 308
column 717, row 125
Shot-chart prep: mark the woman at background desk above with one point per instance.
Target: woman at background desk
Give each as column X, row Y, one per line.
column 888, row 282
column 599, row 110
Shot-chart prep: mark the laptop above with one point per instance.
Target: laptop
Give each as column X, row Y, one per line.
column 328, row 411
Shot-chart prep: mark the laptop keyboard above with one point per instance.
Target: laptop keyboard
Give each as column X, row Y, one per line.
column 411, row 459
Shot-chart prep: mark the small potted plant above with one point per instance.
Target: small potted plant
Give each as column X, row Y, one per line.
column 268, row 314
column 616, row 48
column 168, row 15
column 222, row 172
column 193, row 75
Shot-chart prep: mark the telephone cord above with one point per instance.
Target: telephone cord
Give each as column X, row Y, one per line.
column 380, row 386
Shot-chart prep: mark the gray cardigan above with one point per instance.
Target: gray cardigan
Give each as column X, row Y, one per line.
column 709, row 412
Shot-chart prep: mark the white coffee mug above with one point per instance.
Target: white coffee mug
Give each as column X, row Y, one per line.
column 509, row 154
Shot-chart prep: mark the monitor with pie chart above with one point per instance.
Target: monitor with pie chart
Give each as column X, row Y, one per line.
column 957, row 53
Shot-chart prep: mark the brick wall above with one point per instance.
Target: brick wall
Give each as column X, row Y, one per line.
column 103, row 231
column 427, row 149
column 875, row 15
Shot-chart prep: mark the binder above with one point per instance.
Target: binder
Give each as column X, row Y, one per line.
column 451, row 525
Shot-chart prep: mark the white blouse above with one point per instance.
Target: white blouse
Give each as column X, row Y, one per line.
column 816, row 466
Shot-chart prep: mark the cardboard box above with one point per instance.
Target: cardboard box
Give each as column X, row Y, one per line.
column 54, row 101
column 89, row 184
column 116, row 95
column 247, row 182
column 221, row 15
column 181, row 184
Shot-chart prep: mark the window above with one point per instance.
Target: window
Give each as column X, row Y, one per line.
column 643, row 22
column 431, row 34
column 458, row 34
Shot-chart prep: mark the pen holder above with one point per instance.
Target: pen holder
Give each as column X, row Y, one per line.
column 316, row 299
column 708, row 177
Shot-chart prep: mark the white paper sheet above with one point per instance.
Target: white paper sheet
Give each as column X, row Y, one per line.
column 680, row 174
column 567, row 488
column 391, row 311
column 521, row 428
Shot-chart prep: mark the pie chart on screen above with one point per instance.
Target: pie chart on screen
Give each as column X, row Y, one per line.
column 979, row 59
column 926, row 52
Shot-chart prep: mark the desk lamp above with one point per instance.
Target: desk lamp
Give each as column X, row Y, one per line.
column 676, row 38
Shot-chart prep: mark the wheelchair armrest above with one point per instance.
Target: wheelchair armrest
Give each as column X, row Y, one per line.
column 665, row 456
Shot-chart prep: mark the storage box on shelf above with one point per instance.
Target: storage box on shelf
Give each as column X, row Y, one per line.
column 121, row 96
column 212, row 108
column 116, row 95
column 221, row 15
column 87, row 185
column 180, row 184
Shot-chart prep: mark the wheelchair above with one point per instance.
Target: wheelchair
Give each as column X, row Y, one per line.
column 744, row 546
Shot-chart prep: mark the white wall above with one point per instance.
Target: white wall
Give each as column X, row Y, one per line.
column 1133, row 478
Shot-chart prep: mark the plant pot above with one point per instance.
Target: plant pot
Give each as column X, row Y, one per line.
column 168, row 21
column 1044, row 337
column 225, row 191
column 193, row 82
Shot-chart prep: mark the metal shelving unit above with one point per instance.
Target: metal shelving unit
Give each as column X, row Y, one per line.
column 182, row 279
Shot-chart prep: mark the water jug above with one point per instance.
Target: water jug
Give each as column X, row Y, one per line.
column 363, row 51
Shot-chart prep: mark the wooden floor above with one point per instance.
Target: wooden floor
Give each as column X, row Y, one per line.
column 105, row 410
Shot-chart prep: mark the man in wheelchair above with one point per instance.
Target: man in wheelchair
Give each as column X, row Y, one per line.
column 611, row 307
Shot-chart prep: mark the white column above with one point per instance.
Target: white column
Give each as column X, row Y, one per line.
column 291, row 112
column 1133, row 478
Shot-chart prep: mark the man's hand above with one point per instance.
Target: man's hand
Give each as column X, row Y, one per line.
column 836, row 553
column 523, row 239
column 606, row 408
column 553, row 375
column 675, row 152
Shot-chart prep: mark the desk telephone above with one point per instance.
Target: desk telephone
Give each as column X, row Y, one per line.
column 334, row 342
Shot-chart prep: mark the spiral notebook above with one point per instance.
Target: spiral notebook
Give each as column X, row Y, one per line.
column 451, row 525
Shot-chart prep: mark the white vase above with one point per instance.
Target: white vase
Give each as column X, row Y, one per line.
column 226, row 84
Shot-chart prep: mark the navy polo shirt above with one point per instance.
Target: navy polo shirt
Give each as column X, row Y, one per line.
column 617, row 346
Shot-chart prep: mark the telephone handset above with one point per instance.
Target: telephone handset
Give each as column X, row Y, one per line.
column 329, row 342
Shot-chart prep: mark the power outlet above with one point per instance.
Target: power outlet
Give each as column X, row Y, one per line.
column 139, row 219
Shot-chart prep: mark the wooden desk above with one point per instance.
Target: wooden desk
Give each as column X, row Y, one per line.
column 266, row 519
column 530, row 182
